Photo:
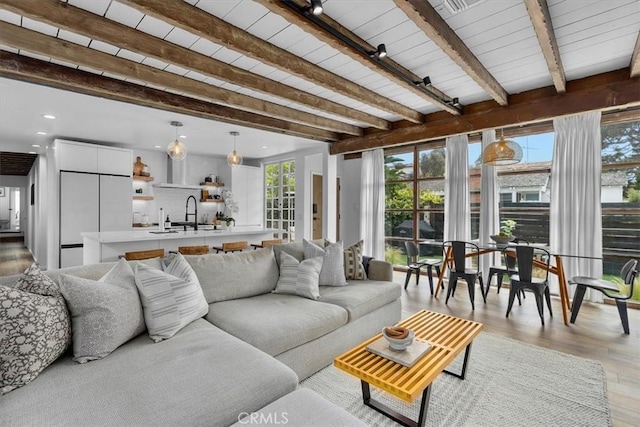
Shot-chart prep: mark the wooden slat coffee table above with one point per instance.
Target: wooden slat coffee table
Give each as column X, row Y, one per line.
column 447, row 335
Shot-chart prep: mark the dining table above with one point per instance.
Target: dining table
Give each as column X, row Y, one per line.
column 490, row 247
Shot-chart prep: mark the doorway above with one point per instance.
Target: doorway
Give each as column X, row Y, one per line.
column 10, row 210
column 317, row 193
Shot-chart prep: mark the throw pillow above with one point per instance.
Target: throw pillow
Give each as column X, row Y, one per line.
column 104, row 314
column 171, row 299
column 332, row 272
column 353, row 267
column 299, row 277
column 34, row 328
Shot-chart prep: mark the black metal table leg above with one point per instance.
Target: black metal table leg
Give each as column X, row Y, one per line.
column 462, row 374
column 394, row 415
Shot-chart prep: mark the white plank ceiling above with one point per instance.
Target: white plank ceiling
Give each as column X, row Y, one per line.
column 594, row 36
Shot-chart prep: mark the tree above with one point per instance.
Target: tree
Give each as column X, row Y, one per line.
column 432, row 164
column 621, row 144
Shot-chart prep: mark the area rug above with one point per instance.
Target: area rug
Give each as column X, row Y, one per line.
column 508, row 383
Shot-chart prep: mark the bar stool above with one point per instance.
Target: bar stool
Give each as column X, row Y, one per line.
column 231, row 247
column 194, row 250
column 266, row 243
column 140, row 255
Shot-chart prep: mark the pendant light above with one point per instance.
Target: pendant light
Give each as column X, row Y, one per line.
column 502, row 152
column 234, row 158
column 177, row 150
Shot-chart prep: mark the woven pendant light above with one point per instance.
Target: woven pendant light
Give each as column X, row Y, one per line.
column 502, row 152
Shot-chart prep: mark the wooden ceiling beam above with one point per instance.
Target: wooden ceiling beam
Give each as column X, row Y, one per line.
column 436, row 97
column 61, row 14
column 31, row 70
column 189, row 18
column 541, row 20
column 600, row 92
column 32, row 41
column 431, row 23
column 634, row 67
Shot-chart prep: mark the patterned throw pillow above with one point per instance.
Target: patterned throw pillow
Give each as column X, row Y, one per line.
column 34, row 328
column 353, row 267
column 171, row 299
column 104, row 314
column 299, row 278
column 332, row 272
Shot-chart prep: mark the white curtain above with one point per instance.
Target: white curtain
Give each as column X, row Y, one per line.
column 489, row 208
column 372, row 203
column 575, row 214
column 457, row 214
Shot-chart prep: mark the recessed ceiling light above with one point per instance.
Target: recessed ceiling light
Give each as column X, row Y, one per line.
column 264, row 146
column 183, row 136
column 32, row 152
column 41, row 132
column 157, row 146
column 49, row 116
column 35, row 145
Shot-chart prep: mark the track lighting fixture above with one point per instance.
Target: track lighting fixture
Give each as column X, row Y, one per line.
column 426, row 82
column 316, row 7
column 380, row 52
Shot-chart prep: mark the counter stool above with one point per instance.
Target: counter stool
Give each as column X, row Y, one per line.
column 231, row 247
column 266, row 243
column 140, row 255
column 194, row 250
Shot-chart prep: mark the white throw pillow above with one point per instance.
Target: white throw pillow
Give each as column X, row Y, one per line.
column 332, row 272
column 299, row 278
column 171, row 299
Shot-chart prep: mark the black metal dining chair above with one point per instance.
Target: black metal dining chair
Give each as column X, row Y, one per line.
column 414, row 264
column 501, row 270
column 463, row 252
column 628, row 274
column 521, row 276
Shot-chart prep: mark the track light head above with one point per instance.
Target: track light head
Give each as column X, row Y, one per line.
column 380, row 52
column 316, row 7
column 455, row 102
column 426, row 81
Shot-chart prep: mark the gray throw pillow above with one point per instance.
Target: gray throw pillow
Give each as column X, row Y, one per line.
column 332, row 273
column 34, row 328
column 171, row 299
column 299, row 277
column 104, row 314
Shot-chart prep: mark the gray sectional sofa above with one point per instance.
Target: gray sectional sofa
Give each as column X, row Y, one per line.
column 247, row 355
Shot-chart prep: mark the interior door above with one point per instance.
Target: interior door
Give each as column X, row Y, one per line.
column 316, row 206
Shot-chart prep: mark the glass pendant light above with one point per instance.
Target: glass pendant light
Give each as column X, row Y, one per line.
column 176, row 149
column 234, row 158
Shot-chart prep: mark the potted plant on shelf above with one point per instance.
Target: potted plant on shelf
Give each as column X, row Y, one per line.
column 506, row 232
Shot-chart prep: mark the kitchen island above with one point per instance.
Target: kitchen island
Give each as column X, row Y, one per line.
column 108, row 246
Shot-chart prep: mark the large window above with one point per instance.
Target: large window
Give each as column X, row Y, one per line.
column 280, row 192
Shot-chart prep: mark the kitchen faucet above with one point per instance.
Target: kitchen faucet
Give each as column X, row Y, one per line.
column 195, row 214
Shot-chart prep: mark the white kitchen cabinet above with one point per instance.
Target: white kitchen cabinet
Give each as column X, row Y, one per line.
column 77, row 157
column 248, row 192
column 115, row 161
column 115, row 203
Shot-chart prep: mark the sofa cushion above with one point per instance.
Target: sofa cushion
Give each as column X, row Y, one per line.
column 171, row 299
column 275, row 323
column 238, row 275
column 299, row 277
column 104, row 314
column 181, row 381
column 35, row 328
column 353, row 267
column 361, row 296
column 332, row 273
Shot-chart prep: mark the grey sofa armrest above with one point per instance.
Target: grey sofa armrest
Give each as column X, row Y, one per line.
column 380, row 270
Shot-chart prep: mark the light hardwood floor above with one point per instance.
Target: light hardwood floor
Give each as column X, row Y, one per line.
column 597, row 334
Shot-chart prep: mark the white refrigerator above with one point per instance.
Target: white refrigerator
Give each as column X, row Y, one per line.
column 91, row 202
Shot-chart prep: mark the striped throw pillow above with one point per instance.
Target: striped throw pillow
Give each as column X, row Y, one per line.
column 171, row 299
column 332, row 272
column 299, row 277
column 353, row 267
